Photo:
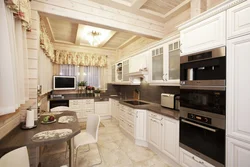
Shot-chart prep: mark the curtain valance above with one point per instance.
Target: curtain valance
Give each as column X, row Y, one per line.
column 80, row 58
column 22, row 10
column 45, row 42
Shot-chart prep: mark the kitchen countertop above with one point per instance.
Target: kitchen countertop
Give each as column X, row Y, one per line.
column 153, row 107
column 80, row 96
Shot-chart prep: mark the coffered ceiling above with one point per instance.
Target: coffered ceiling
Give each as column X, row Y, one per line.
column 160, row 10
column 71, row 33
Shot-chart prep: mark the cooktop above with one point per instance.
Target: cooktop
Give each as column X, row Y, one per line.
column 135, row 102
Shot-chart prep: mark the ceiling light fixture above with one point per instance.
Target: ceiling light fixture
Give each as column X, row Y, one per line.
column 94, row 38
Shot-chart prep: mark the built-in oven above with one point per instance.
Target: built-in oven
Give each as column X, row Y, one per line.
column 204, row 136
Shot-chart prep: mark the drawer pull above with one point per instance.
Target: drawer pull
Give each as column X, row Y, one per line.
column 197, row 160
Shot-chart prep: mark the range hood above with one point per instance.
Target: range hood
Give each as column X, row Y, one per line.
column 139, row 74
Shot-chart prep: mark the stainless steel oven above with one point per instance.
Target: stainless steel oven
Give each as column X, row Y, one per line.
column 203, row 135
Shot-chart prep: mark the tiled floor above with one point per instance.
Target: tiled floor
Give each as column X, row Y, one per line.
column 116, row 151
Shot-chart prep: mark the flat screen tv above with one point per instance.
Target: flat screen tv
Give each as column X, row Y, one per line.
column 64, row 82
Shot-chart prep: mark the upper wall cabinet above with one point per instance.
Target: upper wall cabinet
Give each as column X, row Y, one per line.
column 113, row 73
column 138, row 62
column 118, row 76
column 125, row 70
column 204, row 35
column 164, row 63
column 239, row 20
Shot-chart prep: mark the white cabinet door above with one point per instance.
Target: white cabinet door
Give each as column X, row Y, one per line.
column 170, row 138
column 125, row 70
column 157, row 59
column 187, row 159
column 238, row 153
column 238, row 92
column 238, row 22
column 113, row 73
column 154, row 132
column 207, row 34
column 140, row 125
column 138, row 62
column 102, row 108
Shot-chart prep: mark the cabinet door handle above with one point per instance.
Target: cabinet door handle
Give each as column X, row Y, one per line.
column 197, row 160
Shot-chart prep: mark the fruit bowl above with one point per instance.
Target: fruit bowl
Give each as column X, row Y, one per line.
column 48, row 119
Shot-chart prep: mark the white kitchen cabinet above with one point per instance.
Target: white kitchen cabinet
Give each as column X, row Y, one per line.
column 238, row 153
column 238, row 22
column 164, row 63
column 204, row 35
column 188, row 159
column 154, row 132
column 102, row 108
column 114, row 108
column 125, row 71
column 138, row 62
column 140, row 127
column 118, row 72
column 238, row 92
column 170, row 138
column 113, row 73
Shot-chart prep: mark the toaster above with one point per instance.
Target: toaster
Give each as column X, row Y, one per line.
column 170, row 101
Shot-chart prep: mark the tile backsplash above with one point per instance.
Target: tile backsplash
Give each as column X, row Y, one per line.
column 147, row 92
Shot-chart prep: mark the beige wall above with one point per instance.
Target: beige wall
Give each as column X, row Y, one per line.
column 8, row 122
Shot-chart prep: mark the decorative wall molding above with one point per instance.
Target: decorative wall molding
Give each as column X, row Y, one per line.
column 211, row 12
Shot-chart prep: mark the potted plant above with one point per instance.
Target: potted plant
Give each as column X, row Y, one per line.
column 89, row 88
column 92, row 89
column 81, row 86
column 97, row 92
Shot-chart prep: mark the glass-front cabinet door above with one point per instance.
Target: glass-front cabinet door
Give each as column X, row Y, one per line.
column 125, row 69
column 174, row 60
column 113, row 73
column 157, row 59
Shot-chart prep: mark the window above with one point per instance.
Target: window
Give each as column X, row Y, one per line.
column 89, row 74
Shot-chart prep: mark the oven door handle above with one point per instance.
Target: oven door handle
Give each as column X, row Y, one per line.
column 200, row 126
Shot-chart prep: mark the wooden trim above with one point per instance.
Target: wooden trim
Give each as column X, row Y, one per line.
column 129, row 41
column 3, row 118
column 177, row 10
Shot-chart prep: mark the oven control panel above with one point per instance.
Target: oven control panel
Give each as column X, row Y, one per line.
column 199, row 118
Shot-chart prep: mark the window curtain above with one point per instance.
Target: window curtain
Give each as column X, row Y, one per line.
column 92, row 76
column 13, row 62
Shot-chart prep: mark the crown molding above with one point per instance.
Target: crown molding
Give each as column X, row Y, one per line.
column 211, row 12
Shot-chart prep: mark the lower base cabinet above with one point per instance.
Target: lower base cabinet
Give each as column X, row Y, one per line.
column 102, row 108
column 238, row 153
column 154, row 132
column 170, row 138
column 140, row 125
column 187, row 159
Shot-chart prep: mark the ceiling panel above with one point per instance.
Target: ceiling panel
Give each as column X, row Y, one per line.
column 63, row 30
column 161, row 6
column 118, row 39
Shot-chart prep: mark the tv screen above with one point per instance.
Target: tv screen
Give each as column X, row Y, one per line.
column 64, row 82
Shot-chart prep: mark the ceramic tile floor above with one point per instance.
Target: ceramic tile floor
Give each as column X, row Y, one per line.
column 116, row 151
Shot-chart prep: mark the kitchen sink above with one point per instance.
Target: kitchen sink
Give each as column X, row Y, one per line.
column 135, row 102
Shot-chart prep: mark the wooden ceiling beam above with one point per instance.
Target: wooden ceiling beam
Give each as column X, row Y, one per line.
column 137, row 4
column 178, row 9
column 129, row 41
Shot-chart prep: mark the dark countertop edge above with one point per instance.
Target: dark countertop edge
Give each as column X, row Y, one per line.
column 150, row 107
column 76, row 97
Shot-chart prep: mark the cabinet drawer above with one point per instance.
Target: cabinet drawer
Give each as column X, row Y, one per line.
column 89, row 106
column 187, row 159
column 155, row 116
column 130, row 115
column 130, row 128
column 122, row 123
column 89, row 111
column 88, row 101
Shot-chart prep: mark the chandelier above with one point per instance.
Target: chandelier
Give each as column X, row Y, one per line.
column 94, row 38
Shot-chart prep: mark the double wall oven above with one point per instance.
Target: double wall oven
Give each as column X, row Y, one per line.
column 203, row 105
